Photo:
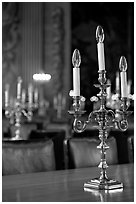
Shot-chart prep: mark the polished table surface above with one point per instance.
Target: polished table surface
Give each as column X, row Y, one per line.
column 67, row 186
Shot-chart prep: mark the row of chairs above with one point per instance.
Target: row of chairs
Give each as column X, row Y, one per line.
column 46, row 154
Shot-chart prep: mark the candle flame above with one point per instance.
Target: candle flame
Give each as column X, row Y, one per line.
column 99, row 34
column 76, row 58
column 123, row 64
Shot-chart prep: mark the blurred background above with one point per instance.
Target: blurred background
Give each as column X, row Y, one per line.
column 41, row 37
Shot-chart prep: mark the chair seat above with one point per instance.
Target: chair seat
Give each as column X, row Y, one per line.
column 83, row 152
column 26, row 156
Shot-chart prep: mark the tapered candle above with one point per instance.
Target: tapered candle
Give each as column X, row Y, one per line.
column 117, row 82
column 55, row 101
column 108, row 90
column 63, row 101
column 23, row 96
column 123, row 76
column 6, row 95
column 59, row 98
column 100, row 47
column 30, row 94
column 19, row 82
column 129, row 86
column 76, row 60
column 36, row 95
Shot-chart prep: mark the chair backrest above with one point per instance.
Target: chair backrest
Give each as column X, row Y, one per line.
column 130, row 141
column 26, row 157
column 83, row 152
column 57, row 137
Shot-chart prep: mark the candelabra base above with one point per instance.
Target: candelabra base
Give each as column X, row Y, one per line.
column 107, row 184
column 16, row 138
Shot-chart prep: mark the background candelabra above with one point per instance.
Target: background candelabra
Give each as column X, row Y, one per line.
column 14, row 111
column 59, row 103
column 104, row 118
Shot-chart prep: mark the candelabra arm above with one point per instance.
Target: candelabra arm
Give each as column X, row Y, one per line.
column 79, row 126
column 9, row 113
column 122, row 122
column 122, row 125
column 93, row 116
column 27, row 115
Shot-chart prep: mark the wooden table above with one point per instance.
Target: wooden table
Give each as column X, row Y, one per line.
column 67, row 185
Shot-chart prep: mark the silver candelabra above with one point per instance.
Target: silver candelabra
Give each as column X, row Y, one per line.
column 19, row 108
column 104, row 118
column 59, row 104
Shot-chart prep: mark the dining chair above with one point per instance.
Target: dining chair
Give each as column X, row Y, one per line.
column 25, row 156
column 57, row 136
column 83, row 152
column 130, row 141
column 122, row 144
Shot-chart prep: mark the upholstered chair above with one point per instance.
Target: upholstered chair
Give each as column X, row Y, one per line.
column 130, row 141
column 83, row 152
column 20, row 157
column 57, row 137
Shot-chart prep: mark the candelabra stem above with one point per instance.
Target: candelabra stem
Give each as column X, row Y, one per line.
column 103, row 182
column 103, row 147
column 17, row 125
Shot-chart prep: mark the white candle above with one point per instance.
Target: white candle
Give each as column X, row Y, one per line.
column 55, row 102
column 101, row 59
column 100, row 48
column 117, row 82
column 76, row 60
column 123, row 76
column 19, row 88
column 76, row 81
column 30, row 94
column 36, row 95
column 6, row 95
column 124, row 88
column 129, row 86
column 108, row 90
column 59, row 99
column 12, row 102
column 63, row 101
column 23, row 96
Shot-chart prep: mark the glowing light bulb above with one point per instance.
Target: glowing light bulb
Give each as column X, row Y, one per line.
column 123, row 64
column 42, row 77
column 76, row 58
column 99, row 34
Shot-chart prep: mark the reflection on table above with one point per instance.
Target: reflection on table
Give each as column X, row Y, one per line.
column 67, row 185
